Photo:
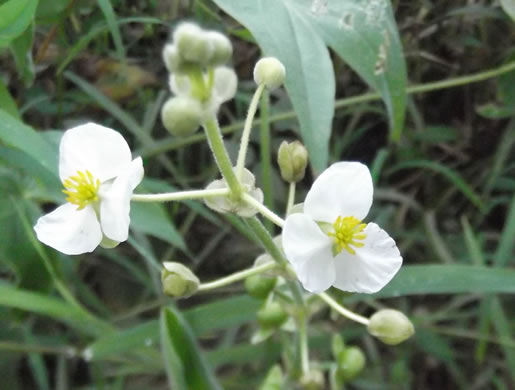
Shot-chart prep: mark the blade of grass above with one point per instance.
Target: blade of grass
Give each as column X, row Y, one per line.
column 108, row 11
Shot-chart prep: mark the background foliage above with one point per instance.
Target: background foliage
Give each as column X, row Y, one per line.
column 444, row 174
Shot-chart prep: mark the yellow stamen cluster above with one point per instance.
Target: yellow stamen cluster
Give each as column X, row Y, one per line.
column 346, row 231
column 82, row 189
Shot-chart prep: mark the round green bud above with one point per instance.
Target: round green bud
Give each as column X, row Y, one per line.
column 193, row 43
column 178, row 280
column 313, row 380
column 269, row 71
column 272, row 315
column 222, row 48
column 390, row 326
column 182, row 115
column 274, row 379
column 293, row 160
column 259, row 286
column 351, row 362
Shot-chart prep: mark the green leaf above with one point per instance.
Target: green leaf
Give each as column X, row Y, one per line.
column 364, row 34
column 288, row 34
column 7, row 102
column 21, row 48
column 16, row 17
column 16, row 134
column 504, row 251
column 107, row 10
column 297, row 32
column 140, row 336
column 152, row 218
column 509, row 8
column 48, row 306
column 185, row 365
column 449, row 279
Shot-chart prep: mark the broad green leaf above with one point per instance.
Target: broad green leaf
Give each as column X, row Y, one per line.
column 140, row 336
column 283, row 30
column 48, row 306
column 509, row 8
column 16, row 134
column 363, row 33
column 449, row 279
column 21, row 48
column 185, row 365
column 202, row 319
column 7, row 102
column 16, row 16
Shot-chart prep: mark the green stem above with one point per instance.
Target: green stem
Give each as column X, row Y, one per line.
column 246, row 131
column 266, row 155
column 182, row 195
column 303, row 343
column 198, row 85
column 342, row 310
column 265, row 211
column 237, row 276
column 221, row 157
column 171, row 144
column 268, row 243
column 291, row 197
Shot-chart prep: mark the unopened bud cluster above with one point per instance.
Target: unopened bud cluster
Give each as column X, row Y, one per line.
column 199, row 79
column 293, row 160
column 193, row 46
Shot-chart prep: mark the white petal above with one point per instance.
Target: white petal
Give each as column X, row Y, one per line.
column 115, row 202
column 308, row 250
column 226, row 84
column 373, row 265
column 69, row 230
column 102, row 151
column 344, row 189
column 136, row 172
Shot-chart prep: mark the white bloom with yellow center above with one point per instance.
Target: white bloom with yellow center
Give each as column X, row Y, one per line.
column 329, row 245
column 99, row 176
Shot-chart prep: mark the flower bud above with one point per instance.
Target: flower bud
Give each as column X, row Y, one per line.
column 313, row 380
column 390, row 326
column 293, row 160
column 272, row 315
column 222, row 48
column 259, row 286
column 171, row 58
column 274, row 379
column 193, row 44
column 351, row 362
column 178, row 280
column 269, row 71
column 181, row 115
column 227, row 203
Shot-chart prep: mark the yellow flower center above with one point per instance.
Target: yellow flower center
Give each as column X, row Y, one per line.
column 82, row 189
column 347, row 233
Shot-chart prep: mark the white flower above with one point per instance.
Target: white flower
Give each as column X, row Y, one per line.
column 99, row 175
column 328, row 245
